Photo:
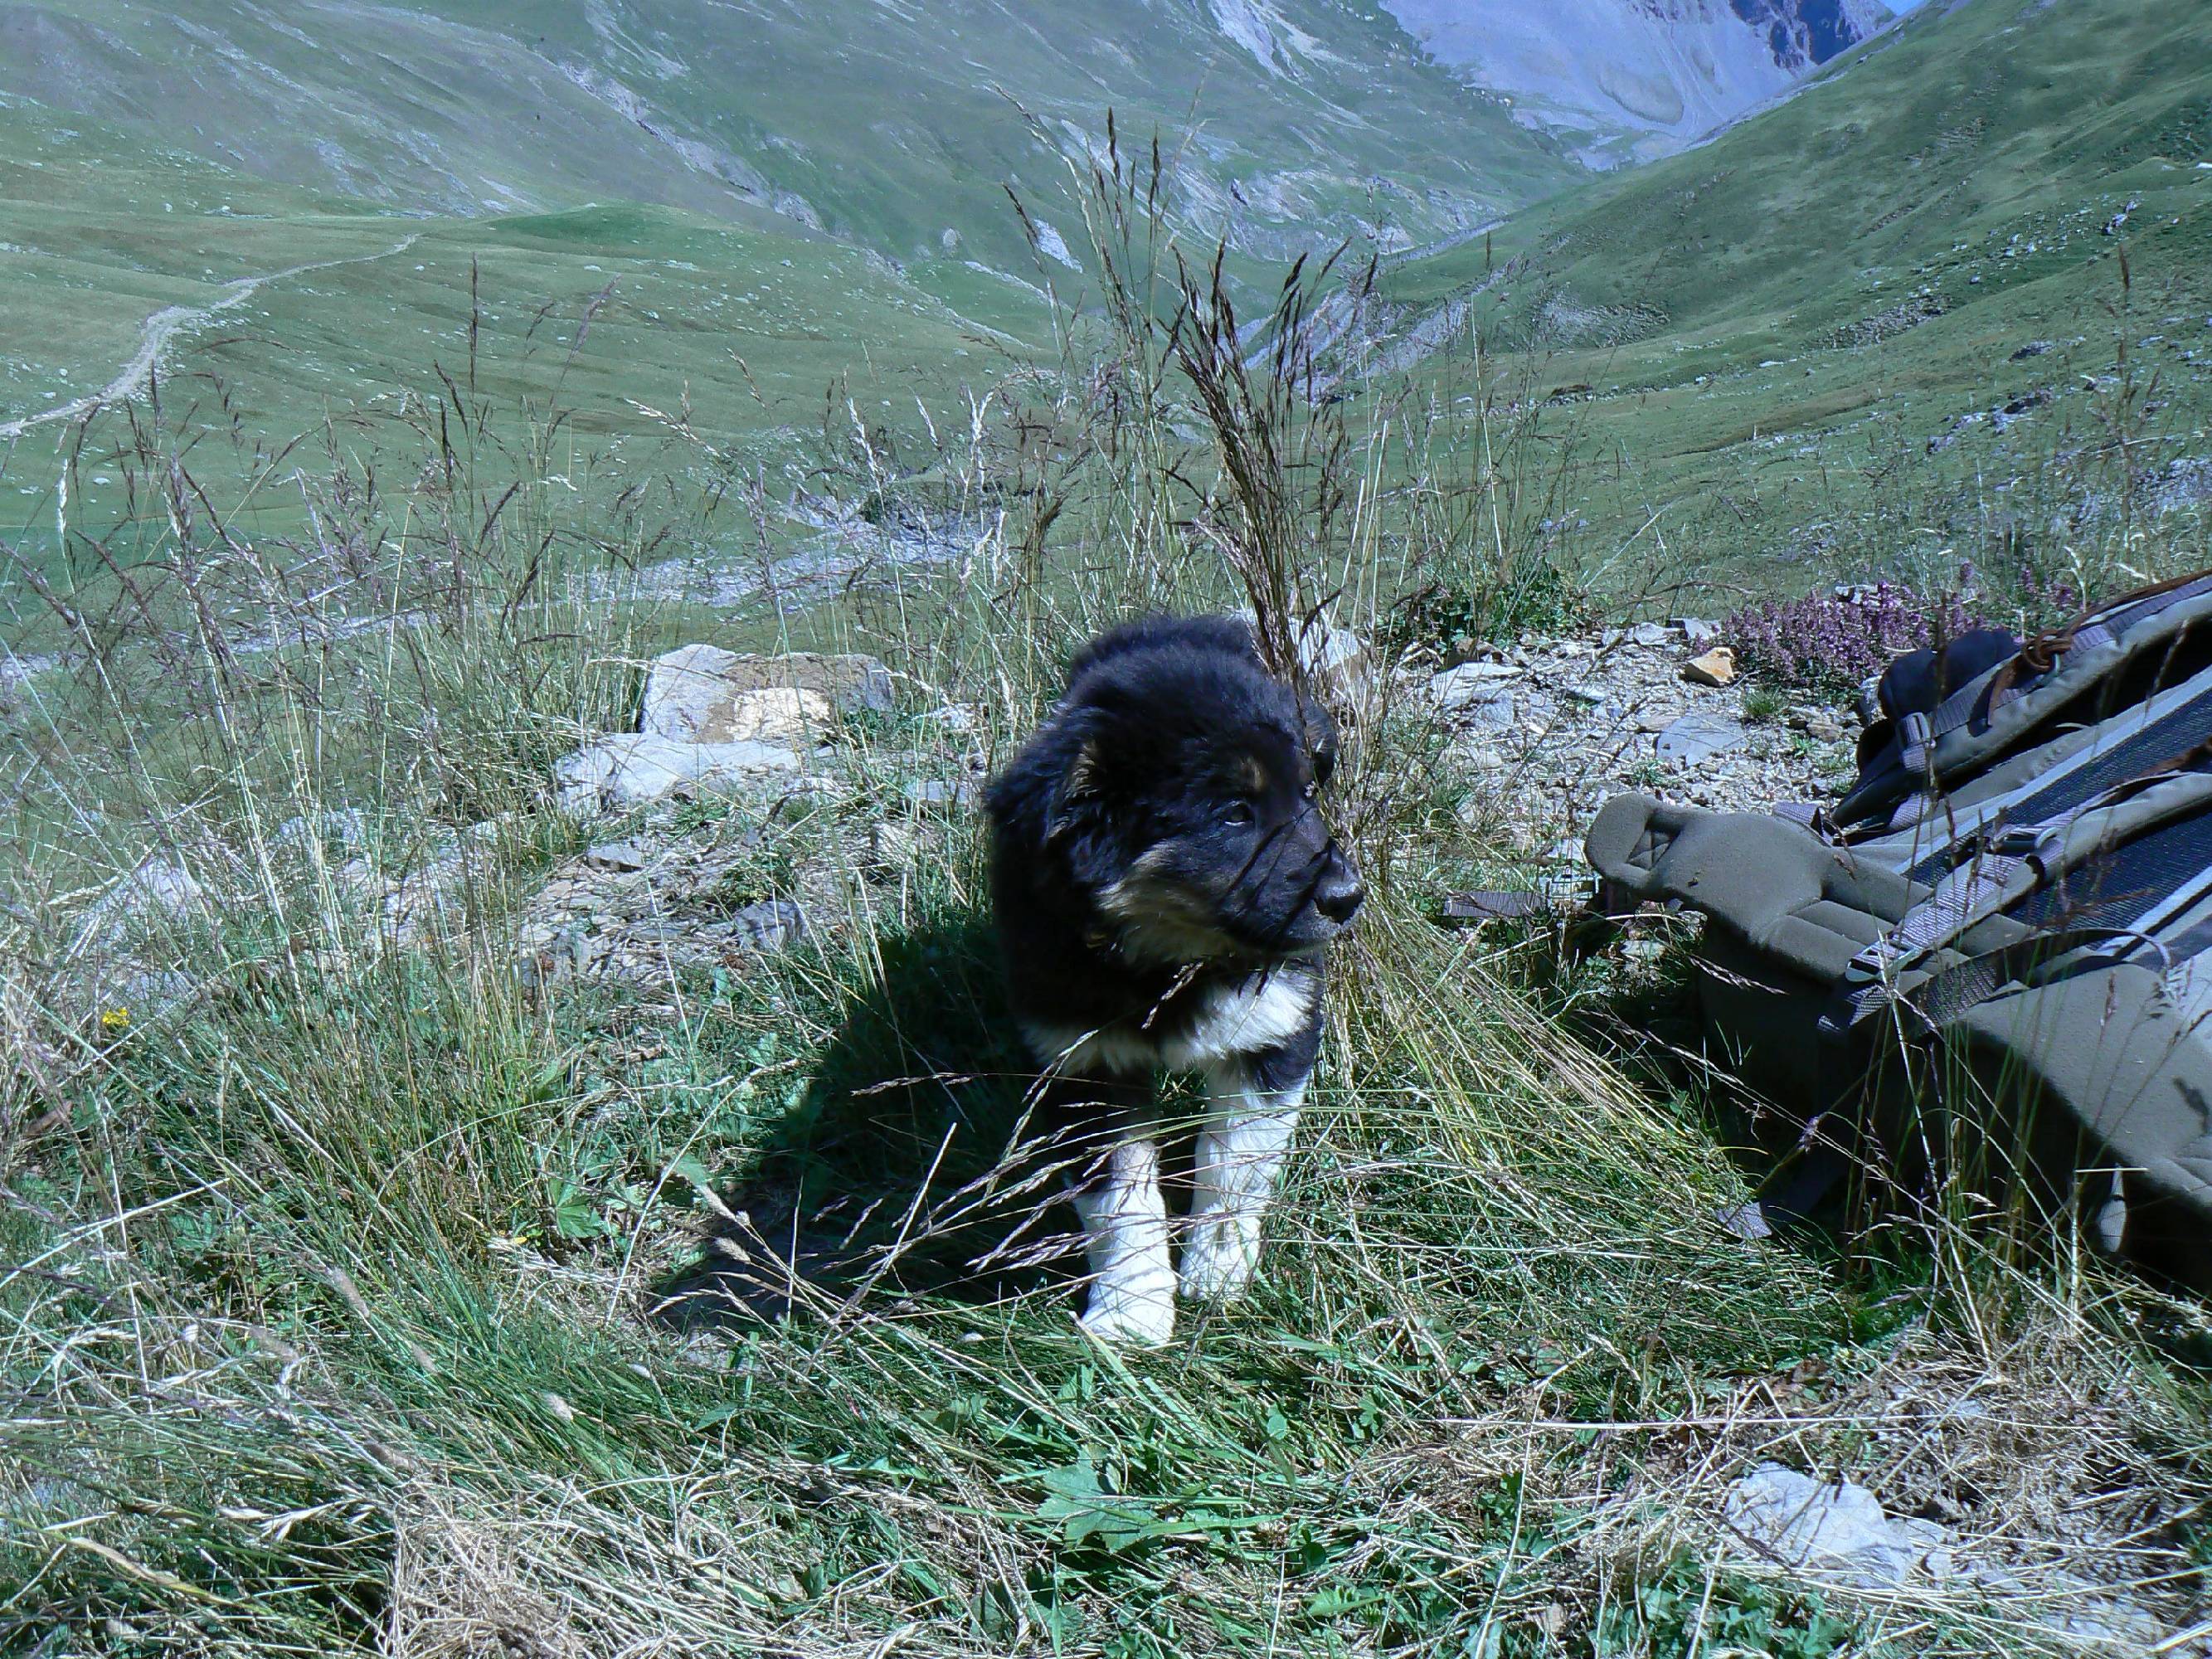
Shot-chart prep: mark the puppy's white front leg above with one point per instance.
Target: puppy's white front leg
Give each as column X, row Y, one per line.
column 1240, row 1155
column 1125, row 1224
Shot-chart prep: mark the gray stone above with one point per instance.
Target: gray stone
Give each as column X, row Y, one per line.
column 630, row 769
column 1587, row 692
column 1478, row 756
column 1493, row 710
column 336, row 829
column 1456, row 688
column 158, row 890
column 771, row 925
column 631, row 854
column 1840, row 1527
column 1696, row 631
column 894, row 846
column 700, row 692
column 1650, row 636
column 941, row 792
column 422, row 898
column 955, row 718
column 1746, row 1220
column 1697, row 737
column 1335, row 656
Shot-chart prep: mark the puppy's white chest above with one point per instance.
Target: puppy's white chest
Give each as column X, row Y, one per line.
column 1261, row 1013
column 1247, row 1016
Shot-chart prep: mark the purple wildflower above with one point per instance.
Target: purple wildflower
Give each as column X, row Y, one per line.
column 1835, row 642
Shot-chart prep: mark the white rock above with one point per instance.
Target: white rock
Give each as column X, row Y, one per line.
column 782, row 714
column 158, row 890
column 343, row 828
column 632, row 854
column 1456, row 688
column 957, row 719
column 1336, row 657
column 697, row 694
column 896, row 846
column 703, row 694
column 1698, row 631
column 1839, row 1526
column 942, row 791
column 630, row 769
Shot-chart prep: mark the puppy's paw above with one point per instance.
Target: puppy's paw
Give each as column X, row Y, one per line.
column 1218, row 1261
column 1137, row 1321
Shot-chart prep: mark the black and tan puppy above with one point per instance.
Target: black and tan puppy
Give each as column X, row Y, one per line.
column 1164, row 886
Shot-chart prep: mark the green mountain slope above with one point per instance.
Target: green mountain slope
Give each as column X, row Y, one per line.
column 889, row 126
column 1864, row 263
column 258, row 311
column 285, row 213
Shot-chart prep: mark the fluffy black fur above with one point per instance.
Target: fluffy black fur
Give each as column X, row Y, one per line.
column 1164, row 885
column 1173, row 746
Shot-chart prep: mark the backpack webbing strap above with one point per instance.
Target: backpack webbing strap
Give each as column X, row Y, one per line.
column 1918, row 733
column 1960, row 900
column 1980, row 887
column 1944, row 995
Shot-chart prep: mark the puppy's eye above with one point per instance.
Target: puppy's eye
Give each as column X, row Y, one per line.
column 1237, row 815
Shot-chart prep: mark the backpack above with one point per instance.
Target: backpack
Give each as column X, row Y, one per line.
column 1993, row 956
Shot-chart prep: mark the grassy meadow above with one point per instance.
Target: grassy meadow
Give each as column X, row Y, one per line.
column 1939, row 308
column 343, row 1244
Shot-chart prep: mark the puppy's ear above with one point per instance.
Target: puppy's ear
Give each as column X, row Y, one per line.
column 1079, row 788
column 1320, row 738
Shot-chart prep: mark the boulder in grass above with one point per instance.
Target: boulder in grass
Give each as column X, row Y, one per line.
column 1455, row 689
column 159, row 890
column 703, row 694
column 631, row 769
column 1335, row 658
column 1836, row 1528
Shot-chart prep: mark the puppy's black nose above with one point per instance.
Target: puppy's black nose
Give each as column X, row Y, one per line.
column 1340, row 893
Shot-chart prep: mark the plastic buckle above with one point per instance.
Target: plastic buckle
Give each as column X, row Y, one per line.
column 1873, row 963
column 2022, row 840
column 1914, row 735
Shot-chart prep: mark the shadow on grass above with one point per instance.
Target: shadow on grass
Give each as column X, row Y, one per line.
column 893, row 1175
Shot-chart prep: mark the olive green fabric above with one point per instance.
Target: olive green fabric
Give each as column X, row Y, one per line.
column 2064, row 1065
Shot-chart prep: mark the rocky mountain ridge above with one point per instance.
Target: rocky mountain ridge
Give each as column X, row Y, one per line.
column 1624, row 80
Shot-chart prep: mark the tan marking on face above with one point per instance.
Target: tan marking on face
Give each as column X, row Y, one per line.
column 1161, row 918
column 1255, row 775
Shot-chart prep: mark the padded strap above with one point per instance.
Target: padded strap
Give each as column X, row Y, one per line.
column 1942, row 997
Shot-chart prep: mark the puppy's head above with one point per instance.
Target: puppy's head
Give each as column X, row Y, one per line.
column 1187, row 809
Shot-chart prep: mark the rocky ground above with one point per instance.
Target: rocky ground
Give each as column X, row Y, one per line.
column 1545, row 731
column 1539, row 736
column 828, row 813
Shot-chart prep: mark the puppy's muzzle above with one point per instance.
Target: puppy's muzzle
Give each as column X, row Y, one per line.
column 1340, row 892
